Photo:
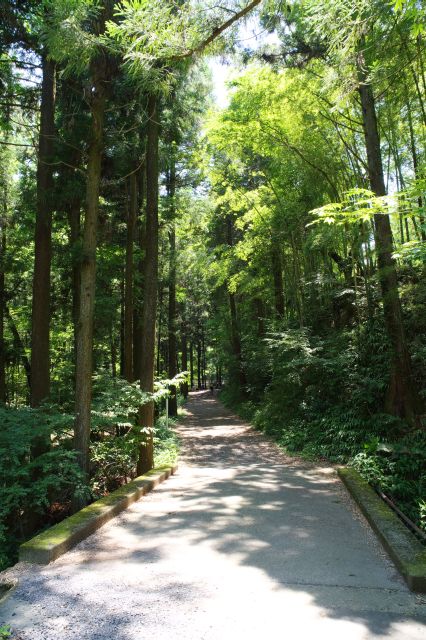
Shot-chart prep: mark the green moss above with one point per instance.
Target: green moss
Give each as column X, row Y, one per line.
column 405, row 550
column 86, row 518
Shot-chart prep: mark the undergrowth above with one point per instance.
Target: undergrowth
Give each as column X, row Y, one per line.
column 37, row 489
column 321, row 401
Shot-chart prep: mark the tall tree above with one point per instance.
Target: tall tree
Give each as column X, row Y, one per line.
column 100, row 73
column 40, row 343
column 146, row 413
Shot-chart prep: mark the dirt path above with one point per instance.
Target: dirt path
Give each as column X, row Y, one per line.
column 242, row 543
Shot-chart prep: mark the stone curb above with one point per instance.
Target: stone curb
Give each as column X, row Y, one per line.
column 54, row 542
column 407, row 553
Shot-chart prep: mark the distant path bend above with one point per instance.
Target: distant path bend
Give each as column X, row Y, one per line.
column 242, row 543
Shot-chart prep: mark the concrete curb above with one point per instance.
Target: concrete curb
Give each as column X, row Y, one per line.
column 54, row 542
column 407, row 553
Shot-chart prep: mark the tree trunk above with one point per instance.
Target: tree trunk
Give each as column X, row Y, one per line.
column 259, row 308
column 128, row 280
column 84, row 361
column 146, row 412
column 40, row 343
column 19, row 345
column 74, row 222
column 236, row 342
column 191, row 364
column 3, row 390
column 138, row 285
column 199, row 372
column 184, row 386
column 235, row 333
column 401, row 397
column 415, row 160
column 204, row 361
column 277, row 273
column 172, row 358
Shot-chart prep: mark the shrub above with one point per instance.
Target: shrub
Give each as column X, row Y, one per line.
column 30, row 485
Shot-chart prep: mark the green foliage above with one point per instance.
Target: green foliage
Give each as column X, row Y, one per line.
column 166, row 443
column 30, row 486
column 116, row 435
column 322, row 401
column 399, row 469
column 5, row 632
column 36, row 489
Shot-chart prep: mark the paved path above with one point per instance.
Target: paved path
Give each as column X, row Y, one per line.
column 242, row 543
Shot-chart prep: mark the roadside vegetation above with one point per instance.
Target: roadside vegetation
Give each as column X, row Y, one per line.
column 276, row 244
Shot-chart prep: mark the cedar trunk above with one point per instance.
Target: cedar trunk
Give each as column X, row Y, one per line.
column 2, row 305
column 40, row 344
column 138, row 284
column 172, row 366
column 74, row 222
column 184, row 344
column 128, row 280
column 84, row 359
column 146, row 412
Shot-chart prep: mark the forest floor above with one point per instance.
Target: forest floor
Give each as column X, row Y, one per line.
column 243, row 543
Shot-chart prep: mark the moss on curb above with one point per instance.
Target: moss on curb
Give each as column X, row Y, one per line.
column 407, row 553
column 54, row 542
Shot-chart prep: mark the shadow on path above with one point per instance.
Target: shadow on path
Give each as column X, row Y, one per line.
column 243, row 541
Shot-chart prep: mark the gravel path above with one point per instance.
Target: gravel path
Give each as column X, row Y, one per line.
column 242, row 543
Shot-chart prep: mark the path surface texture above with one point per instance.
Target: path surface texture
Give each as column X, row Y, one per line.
column 242, row 543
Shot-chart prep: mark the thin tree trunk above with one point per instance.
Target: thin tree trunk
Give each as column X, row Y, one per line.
column 235, row 333
column 259, row 308
column 415, row 160
column 40, row 338
column 184, row 342
column 199, row 372
column 172, row 344
column 146, row 413
column 137, row 315
column 3, row 390
column 277, row 274
column 19, row 345
column 401, row 398
column 84, row 361
column 128, row 280
column 191, row 364
column 204, row 361
column 160, row 326
column 74, row 222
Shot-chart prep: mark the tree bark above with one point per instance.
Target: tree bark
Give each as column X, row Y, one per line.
column 146, row 412
column 401, row 398
column 84, row 360
column 19, row 345
column 259, row 309
column 184, row 345
column 191, row 364
column 415, row 159
column 235, row 333
column 172, row 346
column 3, row 390
column 74, row 222
column 137, row 313
column 277, row 274
column 199, row 372
column 128, row 279
column 40, row 337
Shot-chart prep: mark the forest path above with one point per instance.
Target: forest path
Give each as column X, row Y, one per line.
column 242, row 543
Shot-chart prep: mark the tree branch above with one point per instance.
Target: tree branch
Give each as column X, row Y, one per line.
column 216, row 32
